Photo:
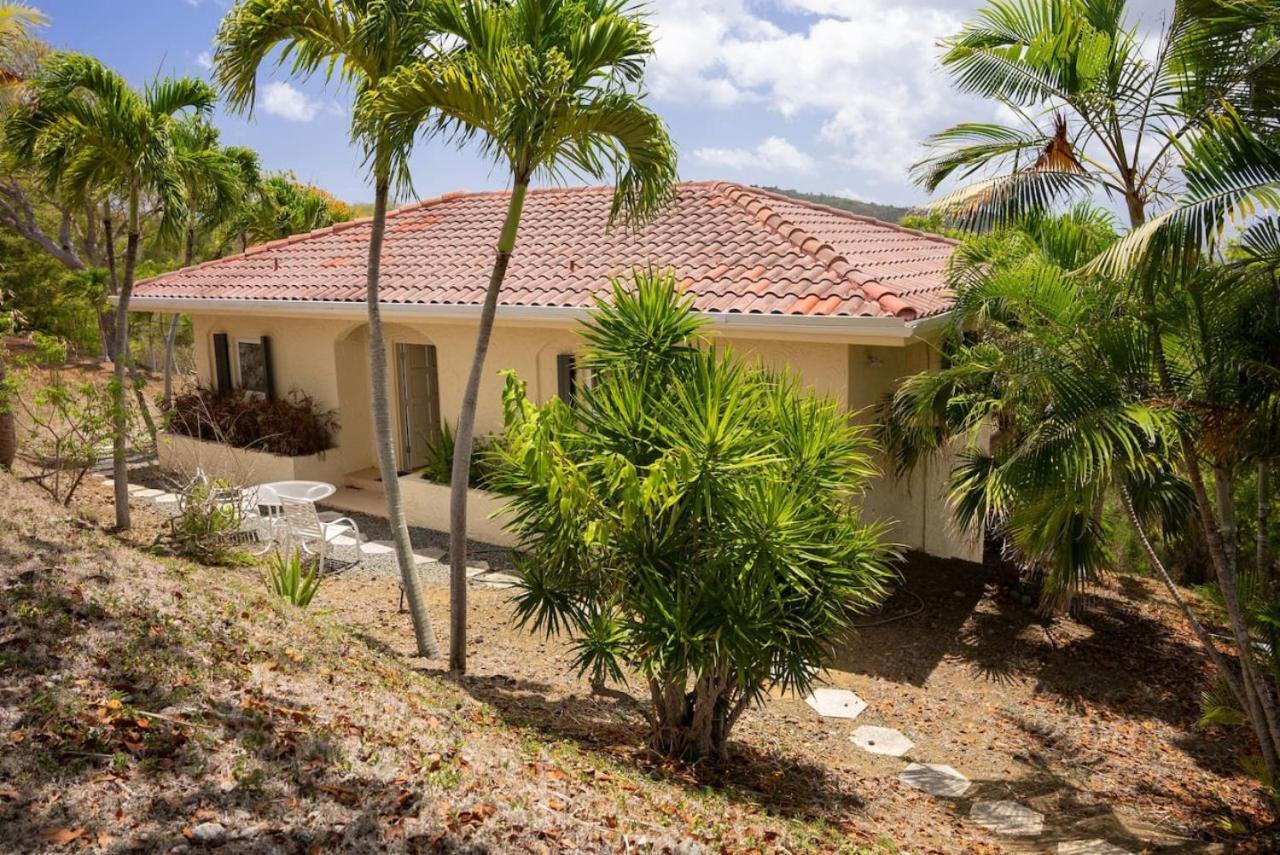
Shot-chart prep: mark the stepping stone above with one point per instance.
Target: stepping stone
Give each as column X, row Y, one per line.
column 430, row 553
column 167, row 503
column 836, row 703
column 146, row 493
column 473, row 572
column 1090, row 847
column 134, row 489
column 378, row 547
column 1008, row 818
column 343, row 540
column 935, row 779
column 881, row 740
column 479, row 564
column 502, row 580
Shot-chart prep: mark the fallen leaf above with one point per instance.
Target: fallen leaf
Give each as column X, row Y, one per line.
column 60, row 836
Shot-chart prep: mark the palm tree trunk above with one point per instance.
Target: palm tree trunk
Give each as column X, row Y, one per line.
column 422, row 630
column 120, row 442
column 1206, row 641
column 1262, row 539
column 1225, row 494
column 106, row 321
column 1259, row 706
column 465, row 437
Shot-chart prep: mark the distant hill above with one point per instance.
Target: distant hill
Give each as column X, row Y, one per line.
column 888, row 213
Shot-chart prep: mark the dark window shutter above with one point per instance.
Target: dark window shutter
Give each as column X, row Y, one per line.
column 269, row 368
column 566, row 376
column 221, row 363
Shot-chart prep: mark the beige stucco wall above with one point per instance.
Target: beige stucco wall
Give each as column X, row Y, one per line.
column 328, row 360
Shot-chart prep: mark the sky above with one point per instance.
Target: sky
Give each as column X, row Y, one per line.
column 822, row 95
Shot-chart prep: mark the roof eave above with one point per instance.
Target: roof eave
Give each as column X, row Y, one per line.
column 889, row 331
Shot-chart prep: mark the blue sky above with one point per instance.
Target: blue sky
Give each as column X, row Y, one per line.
column 824, row 95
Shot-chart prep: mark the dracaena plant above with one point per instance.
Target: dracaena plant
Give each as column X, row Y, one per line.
column 689, row 520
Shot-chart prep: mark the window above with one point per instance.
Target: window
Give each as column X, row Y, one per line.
column 251, row 366
column 570, row 377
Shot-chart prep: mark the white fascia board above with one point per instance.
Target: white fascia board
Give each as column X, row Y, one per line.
column 889, row 332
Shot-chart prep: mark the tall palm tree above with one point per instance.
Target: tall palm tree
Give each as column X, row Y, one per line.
column 1098, row 117
column 359, row 42
column 216, row 181
column 546, row 88
column 90, row 135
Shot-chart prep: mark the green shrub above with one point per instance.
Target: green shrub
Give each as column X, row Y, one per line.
column 439, row 466
column 287, row 579
column 293, row 427
column 689, row 519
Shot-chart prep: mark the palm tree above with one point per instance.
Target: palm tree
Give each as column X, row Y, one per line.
column 546, row 88
column 217, row 181
column 1097, row 117
column 361, row 42
column 90, row 135
column 17, row 20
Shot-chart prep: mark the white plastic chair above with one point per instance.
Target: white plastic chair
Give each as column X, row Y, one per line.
column 313, row 536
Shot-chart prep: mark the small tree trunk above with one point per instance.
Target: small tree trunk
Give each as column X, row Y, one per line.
column 1262, row 539
column 422, row 630
column 170, row 340
column 461, row 473
column 8, row 424
column 120, row 443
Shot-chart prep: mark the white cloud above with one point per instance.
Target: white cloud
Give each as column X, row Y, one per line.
column 774, row 154
column 205, row 60
column 286, row 102
column 865, row 70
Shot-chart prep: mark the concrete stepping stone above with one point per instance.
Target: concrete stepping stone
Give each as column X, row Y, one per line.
column 881, row 740
column 430, row 553
column 1090, row 847
column 473, row 572
column 479, row 564
column 836, row 703
column 378, row 547
column 343, row 540
column 146, row 493
column 167, row 503
column 134, row 489
column 1007, row 818
column 935, row 779
column 499, row 581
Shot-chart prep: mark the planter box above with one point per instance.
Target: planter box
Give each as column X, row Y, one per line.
column 243, row 466
column 427, row 504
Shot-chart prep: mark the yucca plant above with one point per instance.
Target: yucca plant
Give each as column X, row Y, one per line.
column 287, row 578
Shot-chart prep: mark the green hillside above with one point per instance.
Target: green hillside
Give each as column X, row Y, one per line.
column 888, row 213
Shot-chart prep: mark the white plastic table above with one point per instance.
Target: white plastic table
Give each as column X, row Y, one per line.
column 307, row 491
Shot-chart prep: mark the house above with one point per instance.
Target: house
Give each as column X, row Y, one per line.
column 847, row 302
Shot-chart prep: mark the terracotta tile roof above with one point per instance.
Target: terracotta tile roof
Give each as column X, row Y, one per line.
column 737, row 248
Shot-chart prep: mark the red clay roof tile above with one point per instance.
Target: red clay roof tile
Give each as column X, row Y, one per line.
column 735, row 248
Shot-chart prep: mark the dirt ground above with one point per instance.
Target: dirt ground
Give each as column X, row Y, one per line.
column 318, row 730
